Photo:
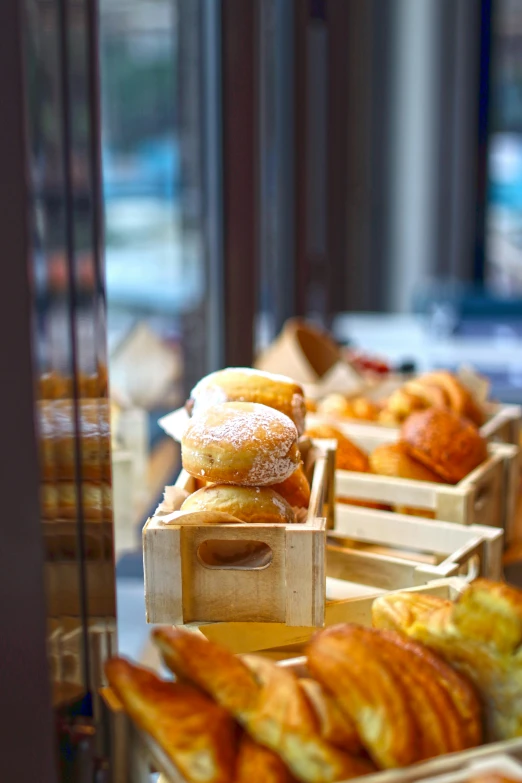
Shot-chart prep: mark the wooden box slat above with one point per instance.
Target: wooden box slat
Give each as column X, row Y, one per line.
column 135, row 755
column 181, row 590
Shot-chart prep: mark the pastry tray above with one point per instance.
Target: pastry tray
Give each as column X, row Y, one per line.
column 135, row 755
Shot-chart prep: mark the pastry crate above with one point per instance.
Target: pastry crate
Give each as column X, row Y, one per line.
column 135, row 755
column 391, row 551
column 486, row 496
column 400, row 552
column 282, row 580
column 503, row 425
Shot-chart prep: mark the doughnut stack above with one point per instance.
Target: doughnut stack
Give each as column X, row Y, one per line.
column 241, row 445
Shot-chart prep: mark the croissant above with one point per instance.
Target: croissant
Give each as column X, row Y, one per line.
column 256, row 764
column 269, row 704
column 367, row 691
column 480, row 635
column 197, row 735
column 407, row 704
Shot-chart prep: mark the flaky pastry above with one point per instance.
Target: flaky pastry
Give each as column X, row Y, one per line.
column 449, row 446
column 257, row 764
column 242, row 384
column 240, row 443
column 295, row 489
column 197, row 735
column 249, row 504
column 480, row 635
column 269, row 704
column 367, row 691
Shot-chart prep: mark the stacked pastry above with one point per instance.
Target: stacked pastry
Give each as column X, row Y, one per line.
column 59, row 438
column 440, row 389
column 241, row 445
column 435, row 445
column 422, row 683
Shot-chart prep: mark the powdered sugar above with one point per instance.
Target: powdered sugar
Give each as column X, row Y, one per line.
column 248, row 437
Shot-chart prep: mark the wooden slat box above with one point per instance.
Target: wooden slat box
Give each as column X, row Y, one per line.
column 135, row 755
column 411, row 552
column 487, row 496
column 503, row 425
column 393, row 551
column 181, row 589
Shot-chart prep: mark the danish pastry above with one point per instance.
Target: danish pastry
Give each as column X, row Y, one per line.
column 197, row 735
column 242, row 384
column 348, row 455
column 268, row 703
column 295, row 489
column 449, row 446
column 479, row 635
column 408, row 705
column 240, row 443
column 461, row 401
column 249, row 504
column 392, row 459
column 257, row 764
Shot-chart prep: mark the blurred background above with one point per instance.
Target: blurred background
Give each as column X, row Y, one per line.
column 352, row 161
column 186, row 175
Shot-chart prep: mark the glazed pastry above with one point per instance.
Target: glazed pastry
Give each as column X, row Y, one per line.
column 449, row 446
column 480, row 635
column 295, row 489
column 340, row 658
column 197, row 735
column 249, row 504
column 348, row 455
column 269, row 704
column 334, row 725
column 286, row 721
column 461, row 400
column 400, row 697
column 240, row 443
column 257, row 764
column 393, row 459
column 242, row 384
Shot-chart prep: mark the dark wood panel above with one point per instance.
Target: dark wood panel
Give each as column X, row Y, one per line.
column 239, row 75
column 25, row 701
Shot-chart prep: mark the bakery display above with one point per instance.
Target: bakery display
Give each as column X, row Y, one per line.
column 440, row 389
column 432, row 677
column 479, row 635
column 249, row 504
column 243, row 384
column 448, row 445
column 196, row 734
column 241, row 443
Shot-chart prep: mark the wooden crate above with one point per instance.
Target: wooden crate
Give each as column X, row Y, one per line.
column 503, row 425
column 487, row 496
column 391, row 551
column 135, row 755
column 180, row 589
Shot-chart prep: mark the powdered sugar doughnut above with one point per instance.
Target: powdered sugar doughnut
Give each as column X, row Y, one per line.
column 240, row 443
column 249, row 504
column 243, row 384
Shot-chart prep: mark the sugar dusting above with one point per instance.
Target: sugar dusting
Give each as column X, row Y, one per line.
column 248, row 429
